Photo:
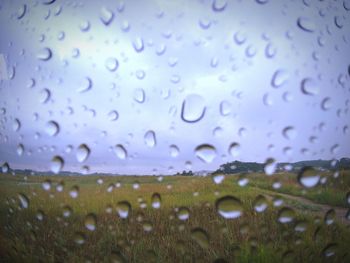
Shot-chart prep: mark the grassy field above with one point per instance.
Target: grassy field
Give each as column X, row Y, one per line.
column 39, row 225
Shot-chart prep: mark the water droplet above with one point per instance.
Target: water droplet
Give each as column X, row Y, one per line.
column 289, row 132
column 306, row 24
column 45, row 95
column 193, row 108
column 83, row 152
column 113, row 115
column 52, row 128
column 348, row 198
column 301, row 226
column 330, row 250
column 84, row 26
column 85, row 85
column 150, row 139
column 40, row 215
column 74, row 191
column 183, row 213
column 201, row 237
column 20, row 149
column 46, row 185
column 346, row 5
column 60, row 186
column 286, row 215
column 67, row 211
column 205, row 152
column 261, row 1
column 156, row 201
column 219, row 5
column 239, row 38
column 21, row 11
column 23, row 201
column 260, row 204
column 44, row 54
column 57, row 164
column 138, row 45
column 270, row 50
column 120, row 152
column 308, row 177
column 106, row 16
column 79, row 238
column 270, row 166
column 225, row 108
column 147, row 226
column 174, row 151
column 5, row 168
column 123, row 209
column 309, row 87
column 204, row 23
column 279, row 78
column 243, row 181
column 16, row 125
column 90, row 222
column 112, row 64
column 329, row 217
column 218, row 178
column 139, row 95
column 234, row 149
column 326, row 104
column 229, row 207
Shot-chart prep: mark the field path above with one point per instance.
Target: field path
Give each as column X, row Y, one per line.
column 320, row 209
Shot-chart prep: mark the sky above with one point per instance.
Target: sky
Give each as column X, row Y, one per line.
column 160, row 86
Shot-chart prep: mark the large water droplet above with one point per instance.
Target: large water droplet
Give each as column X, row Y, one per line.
column 21, row 11
column 309, row 87
column 306, row 24
column 79, row 238
column 229, row 207
column 308, row 177
column 46, row 185
column 57, row 164
column 205, row 152
column 218, row 178
column 44, row 54
column 83, row 152
column 106, row 16
column 193, row 108
column 270, row 166
column 52, row 128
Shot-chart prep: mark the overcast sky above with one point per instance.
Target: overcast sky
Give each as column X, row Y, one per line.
column 143, row 84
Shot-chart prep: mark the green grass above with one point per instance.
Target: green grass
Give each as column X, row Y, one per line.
column 254, row 237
